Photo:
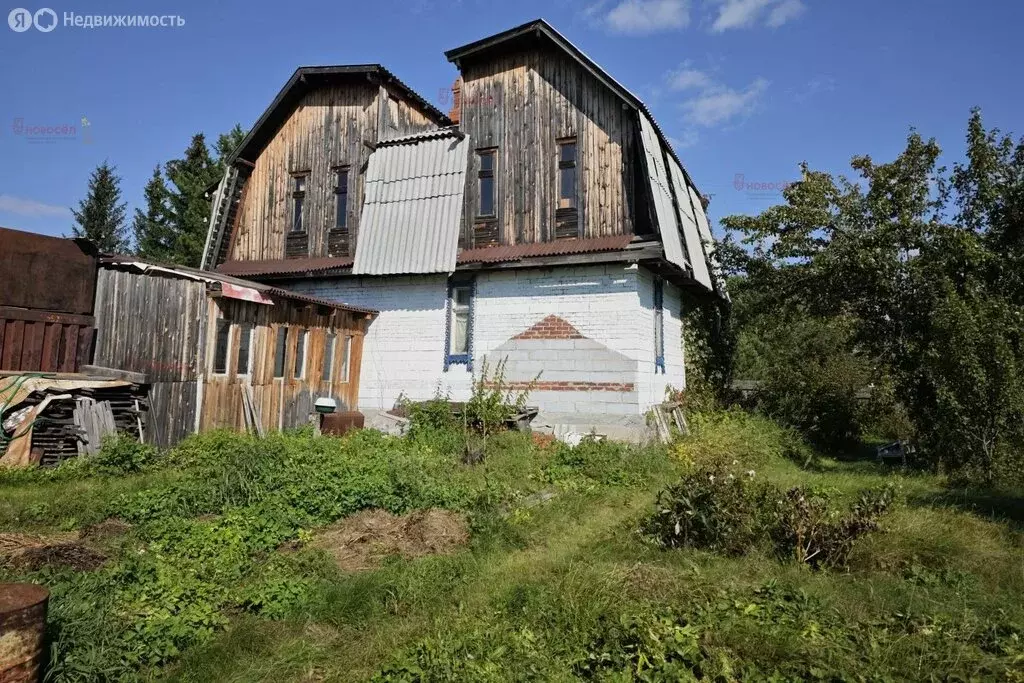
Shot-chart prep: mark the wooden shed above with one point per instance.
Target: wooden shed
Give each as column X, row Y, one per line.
column 219, row 352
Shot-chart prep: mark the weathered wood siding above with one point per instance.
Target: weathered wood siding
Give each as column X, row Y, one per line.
column 42, row 341
column 157, row 326
column 522, row 104
column 281, row 402
column 331, row 127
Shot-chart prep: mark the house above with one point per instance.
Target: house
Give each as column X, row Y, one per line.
column 219, row 352
column 544, row 222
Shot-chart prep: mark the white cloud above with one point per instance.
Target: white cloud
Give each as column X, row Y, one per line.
column 641, row 17
column 30, row 208
column 720, row 104
column 689, row 138
column 788, row 9
column 688, row 78
column 747, row 13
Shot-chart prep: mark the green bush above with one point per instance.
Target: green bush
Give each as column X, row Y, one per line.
column 722, row 510
column 123, row 455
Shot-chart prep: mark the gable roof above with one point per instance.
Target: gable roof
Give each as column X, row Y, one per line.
column 308, row 78
column 538, row 31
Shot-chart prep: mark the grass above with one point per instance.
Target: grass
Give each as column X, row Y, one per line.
column 565, row 589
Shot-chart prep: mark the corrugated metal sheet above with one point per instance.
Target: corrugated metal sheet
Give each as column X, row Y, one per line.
column 688, row 220
column 704, row 228
column 560, row 248
column 668, row 223
column 412, row 210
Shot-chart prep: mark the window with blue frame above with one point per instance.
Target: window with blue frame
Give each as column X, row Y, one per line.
column 460, row 324
column 659, row 326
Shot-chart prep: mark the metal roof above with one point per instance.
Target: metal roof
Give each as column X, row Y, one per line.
column 412, row 208
column 517, row 252
column 285, row 266
column 217, row 278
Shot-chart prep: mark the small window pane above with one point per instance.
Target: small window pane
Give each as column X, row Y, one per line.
column 346, row 354
column 279, row 351
column 220, row 353
column 462, row 297
column 341, row 195
column 297, row 218
column 244, row 367
column 487, row 196
column 300, row 183
column 567, row 186
column 328, row 370
column 300, row 355
column 567, row 152
column 460, row 332
column 487, row 162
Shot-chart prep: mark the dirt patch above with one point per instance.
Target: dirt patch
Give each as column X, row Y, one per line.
column 363, row 540
column 30, row 552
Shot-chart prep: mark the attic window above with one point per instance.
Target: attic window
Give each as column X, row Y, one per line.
column 341, row 197
column 567, row 173
column 485, row 180
column 220, row 349
column 298, row 201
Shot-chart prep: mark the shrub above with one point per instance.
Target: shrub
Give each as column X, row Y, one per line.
column 730, row 512
column 719, row 438
column 123, row 455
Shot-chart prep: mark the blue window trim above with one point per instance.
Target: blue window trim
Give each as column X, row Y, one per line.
column 659, row 322
column 466, row 359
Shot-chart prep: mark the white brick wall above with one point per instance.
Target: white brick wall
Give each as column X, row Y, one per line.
column 612, row 304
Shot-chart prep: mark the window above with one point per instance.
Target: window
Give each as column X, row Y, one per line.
column 460, row 326
column 298, row 202
column 567, row 174
column 392, row 114
column 485, row 178
column 300, row 355
column 328, row 369
column 279, row 351
column 659, row 326
column 220, row 350
column 346, row 355
column 341, row 197
column 244, row 364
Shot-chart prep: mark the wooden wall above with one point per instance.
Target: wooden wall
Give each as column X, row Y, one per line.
column 41, row 341
column 327, row 129
column 155, row 325
column 522, row 103
column 281, row 402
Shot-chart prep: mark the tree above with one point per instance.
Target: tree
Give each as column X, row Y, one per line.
column 227, row 143
column 190, row 209
column 155, row 236
column 100, row 216
column 935, row 298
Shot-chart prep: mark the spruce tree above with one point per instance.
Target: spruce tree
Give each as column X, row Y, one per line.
column 189, row 206
column 100, row 217
column 155, row 235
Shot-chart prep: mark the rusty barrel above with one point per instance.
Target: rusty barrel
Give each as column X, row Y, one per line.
column 22, row 632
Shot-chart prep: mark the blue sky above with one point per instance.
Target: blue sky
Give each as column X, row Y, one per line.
column 742, row 87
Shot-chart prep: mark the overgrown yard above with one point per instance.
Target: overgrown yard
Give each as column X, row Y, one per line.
column 236, row 559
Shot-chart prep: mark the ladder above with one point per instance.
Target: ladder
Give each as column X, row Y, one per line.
column 220, row 213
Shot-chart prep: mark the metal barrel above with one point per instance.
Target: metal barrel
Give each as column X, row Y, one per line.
column 22, row 632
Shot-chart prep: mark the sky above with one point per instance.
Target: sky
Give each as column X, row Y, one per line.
column 745, row 89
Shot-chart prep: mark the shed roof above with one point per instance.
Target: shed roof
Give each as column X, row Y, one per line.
column 219, row 279
column 307, row 78
column 412, row 209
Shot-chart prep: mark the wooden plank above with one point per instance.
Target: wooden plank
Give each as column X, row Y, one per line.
column 32, row 347
column 44, row 316
column 69, row 348
column 12, row 346
column 51, row 345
